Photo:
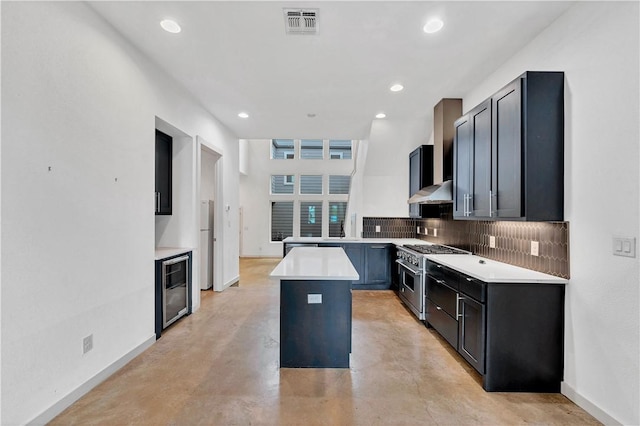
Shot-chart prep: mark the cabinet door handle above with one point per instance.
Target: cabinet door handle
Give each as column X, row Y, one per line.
column 157, row 202
column 438, row 308
column 491, row 195
column 458, row 299
column 440, row 281
column 377, row 247
column 469, row 279
column 469, row 206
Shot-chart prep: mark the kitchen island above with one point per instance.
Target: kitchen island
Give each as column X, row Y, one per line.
column 315, row 307
column 373, row 258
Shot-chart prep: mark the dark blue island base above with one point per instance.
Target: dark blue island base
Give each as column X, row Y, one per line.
column 315, row 323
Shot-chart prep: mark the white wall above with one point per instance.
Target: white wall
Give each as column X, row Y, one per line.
column 77, row 245
column 382, row 168
column 596, row 45
column 255, row 192
column 208, row 178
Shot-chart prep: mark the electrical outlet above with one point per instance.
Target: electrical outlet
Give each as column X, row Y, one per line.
column 418, row 230
column 377, row 228
column 534, row 248
column 492, row 241
column 435, row 232
column 87, row 344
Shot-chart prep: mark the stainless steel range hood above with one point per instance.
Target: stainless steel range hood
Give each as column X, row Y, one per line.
column 445, row 113
column 435, row 194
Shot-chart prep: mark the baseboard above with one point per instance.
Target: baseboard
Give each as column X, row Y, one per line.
column 587, row 405
column 231, row 282
column 57, row 408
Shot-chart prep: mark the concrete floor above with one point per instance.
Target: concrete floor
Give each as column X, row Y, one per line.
column 220, row 366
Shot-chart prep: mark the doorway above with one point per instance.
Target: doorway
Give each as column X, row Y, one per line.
column 209, row 200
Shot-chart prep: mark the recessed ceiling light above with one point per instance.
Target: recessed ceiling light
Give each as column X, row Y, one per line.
column 311, row 115
column 381, row 115
column 396, row 87
column 170, row 26
column 433, row 26
column 243, row 115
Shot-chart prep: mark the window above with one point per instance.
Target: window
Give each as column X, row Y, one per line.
column 282, row 184
column 282, row 149
column 311, row 149
column 340, row 149
column 311, row 219
column 339, row 184
column 281, row 220
column 311, row 184
column 337, row 212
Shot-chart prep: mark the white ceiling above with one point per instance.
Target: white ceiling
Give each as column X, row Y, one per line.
column 235, row 56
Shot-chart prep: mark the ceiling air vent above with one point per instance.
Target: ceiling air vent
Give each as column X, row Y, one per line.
column 301, row 21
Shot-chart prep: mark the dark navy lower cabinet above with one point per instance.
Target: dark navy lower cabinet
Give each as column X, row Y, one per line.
column 524, row 337
column 511, row 333
column 315, row 324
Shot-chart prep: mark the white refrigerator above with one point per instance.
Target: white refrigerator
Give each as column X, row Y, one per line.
column 206, row 244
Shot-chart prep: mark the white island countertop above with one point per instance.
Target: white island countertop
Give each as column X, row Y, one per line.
column 317, row 240
column 492, row 271
column 315, row 263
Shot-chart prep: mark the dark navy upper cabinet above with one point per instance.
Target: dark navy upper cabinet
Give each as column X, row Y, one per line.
column 164, row 156
column 509, row 153
column 420, row 176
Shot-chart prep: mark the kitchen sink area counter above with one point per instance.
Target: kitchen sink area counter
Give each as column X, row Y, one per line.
column 492, row 271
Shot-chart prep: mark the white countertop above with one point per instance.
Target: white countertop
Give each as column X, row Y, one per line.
column 314, row 240
column 315, row 263
column 492, row 271
column 164, row 252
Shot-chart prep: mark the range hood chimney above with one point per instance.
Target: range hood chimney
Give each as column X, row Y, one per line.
column 445, row 113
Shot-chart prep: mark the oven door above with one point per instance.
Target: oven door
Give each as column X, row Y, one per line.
column 411, row 288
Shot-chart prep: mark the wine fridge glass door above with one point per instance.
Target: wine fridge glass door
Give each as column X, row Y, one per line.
column 175, row 278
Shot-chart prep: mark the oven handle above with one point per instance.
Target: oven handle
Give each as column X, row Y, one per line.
column 404, row 265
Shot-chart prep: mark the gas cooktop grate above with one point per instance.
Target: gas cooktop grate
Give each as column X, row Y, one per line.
column 434, row 249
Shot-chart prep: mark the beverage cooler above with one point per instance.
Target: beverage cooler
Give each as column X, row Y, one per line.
column 173, row 290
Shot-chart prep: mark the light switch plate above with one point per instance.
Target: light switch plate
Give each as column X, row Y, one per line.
column 535, row 246
column 418, row 230
column 624, row 246
column 492, row 241
column 377, row 228
column 314, row 299
column 435, row 232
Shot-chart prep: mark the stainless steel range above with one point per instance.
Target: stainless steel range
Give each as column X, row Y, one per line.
column 412, row 267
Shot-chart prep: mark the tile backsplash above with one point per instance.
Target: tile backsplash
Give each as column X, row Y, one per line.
column 390, row 227
column 512, row 239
